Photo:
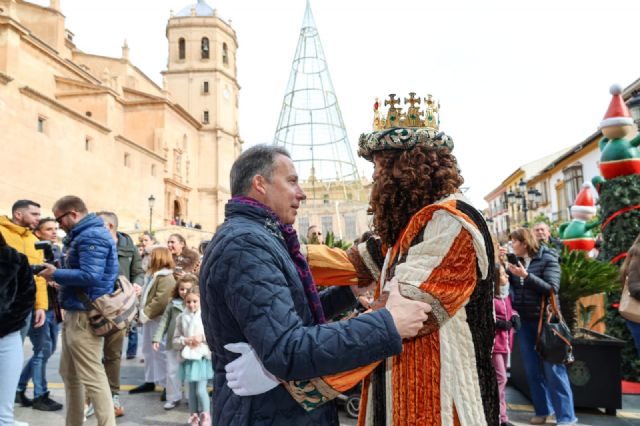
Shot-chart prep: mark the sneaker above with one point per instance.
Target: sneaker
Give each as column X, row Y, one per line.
column 170, row 405
column 89, row 410
column 117, row 407
column 22, row 399
column 194, row 420
column 130, row 356
column 145, row 387
column 163, row 396
column 44, row 403
column 205, row 419
column 17, row 423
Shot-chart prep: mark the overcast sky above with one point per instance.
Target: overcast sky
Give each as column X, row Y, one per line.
column 516, row 80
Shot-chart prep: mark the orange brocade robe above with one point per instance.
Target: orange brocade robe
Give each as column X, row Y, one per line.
column 435, row 380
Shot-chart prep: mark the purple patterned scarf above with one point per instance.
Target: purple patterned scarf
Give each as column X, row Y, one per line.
column 293, row 246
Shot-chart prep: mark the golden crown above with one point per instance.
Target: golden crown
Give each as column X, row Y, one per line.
column 395, row 117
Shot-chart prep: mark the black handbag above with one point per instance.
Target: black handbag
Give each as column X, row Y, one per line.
column 554, row 337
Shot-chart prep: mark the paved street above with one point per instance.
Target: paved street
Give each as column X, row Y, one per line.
column 146, row 409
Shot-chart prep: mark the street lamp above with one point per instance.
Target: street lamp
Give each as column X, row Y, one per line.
column 151, row 201
column 529, row 198
column 634, row 108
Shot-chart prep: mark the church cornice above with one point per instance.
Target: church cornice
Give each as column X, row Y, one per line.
column 140, row 148
column 191, row 22
column 5, row 79
column 52, row 103
column 214, row 190
column 213, row 70
column 173, row 182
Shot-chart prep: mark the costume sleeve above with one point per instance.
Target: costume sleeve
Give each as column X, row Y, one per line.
column 440, row 269
column 330, row 266
column 260, row 299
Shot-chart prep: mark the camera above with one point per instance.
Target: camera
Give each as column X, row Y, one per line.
column 49, row 257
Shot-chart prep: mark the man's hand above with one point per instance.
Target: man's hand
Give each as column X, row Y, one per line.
column 408, row 315
column 38, row 318
column 47, row 272
column 155, row 346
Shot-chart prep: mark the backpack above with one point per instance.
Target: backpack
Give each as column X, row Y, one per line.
column 113, row 312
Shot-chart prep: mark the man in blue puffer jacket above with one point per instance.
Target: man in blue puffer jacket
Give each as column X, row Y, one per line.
column 90, row 266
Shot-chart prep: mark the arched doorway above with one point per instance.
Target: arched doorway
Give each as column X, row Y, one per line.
column 177, row 210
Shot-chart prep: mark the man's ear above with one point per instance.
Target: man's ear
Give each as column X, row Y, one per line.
column 259, row 183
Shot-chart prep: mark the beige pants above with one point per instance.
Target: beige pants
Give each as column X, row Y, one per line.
column 81, row 368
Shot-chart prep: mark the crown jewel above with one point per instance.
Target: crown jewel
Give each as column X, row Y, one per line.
column 414, row 117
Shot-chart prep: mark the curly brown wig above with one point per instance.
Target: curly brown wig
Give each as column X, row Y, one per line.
column 407, row 181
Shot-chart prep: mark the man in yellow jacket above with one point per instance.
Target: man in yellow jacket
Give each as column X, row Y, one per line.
column 18, row 234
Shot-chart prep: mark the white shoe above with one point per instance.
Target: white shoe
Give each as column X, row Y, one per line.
column 17, row 423
column 89, row 410
column 170, row 405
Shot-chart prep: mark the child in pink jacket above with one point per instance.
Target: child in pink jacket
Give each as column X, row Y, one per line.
column 507, row 321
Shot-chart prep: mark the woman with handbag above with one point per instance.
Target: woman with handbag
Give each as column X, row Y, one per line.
column 534, row 275
column 630, row 299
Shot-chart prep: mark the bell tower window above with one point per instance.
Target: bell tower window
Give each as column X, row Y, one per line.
column 225, row 54
column 204, row 48
column 182, row 49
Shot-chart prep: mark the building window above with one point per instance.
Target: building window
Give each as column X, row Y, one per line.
column 327, row 224
column 88, row 114
column 350, row 226
column 325, row 199
column 127, row 159
column 573, row 181
column 205, row 87
column 205, row 117
column 204, row 48
column 88, row 144
column 303, row 225
column 153, row 170
column 182, row 49
column 225, row 54
column 41, row 124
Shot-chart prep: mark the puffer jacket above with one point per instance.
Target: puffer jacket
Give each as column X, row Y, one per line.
column 251, row 292
column 23, row 240
column 544, row 275
column 633, row 277
column 17, row 290
column 90, row 263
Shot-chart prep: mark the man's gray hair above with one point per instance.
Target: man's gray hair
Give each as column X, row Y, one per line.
column 110, row 217
column 257, row 160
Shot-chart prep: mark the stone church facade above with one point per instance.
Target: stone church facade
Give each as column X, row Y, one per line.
column 97, row 127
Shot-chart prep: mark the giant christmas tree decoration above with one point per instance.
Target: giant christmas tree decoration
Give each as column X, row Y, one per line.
column 620, row 209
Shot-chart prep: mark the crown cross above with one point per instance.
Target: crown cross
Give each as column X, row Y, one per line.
column 412, row 99
column 395, row 117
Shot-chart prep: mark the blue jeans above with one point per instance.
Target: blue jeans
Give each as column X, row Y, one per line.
column 132, row 342
column 634, row 328
column 24, row 331
column 10, row 362
column 44, row 340
column 548, row 383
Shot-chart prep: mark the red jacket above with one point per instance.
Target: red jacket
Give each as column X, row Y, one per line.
column 503, row 342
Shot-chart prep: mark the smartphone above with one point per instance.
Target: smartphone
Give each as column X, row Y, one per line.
column 512, row 258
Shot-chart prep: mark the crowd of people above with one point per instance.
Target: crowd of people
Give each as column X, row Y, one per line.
column 44, row 289
column 431, row 294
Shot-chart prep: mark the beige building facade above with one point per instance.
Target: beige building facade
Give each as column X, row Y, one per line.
column 111, row 135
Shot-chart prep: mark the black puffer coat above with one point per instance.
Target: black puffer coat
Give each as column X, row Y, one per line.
column 17, row 290
column 544, row 275
column 251, row 292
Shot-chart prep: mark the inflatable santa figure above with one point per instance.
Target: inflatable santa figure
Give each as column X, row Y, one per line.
column 577, row 235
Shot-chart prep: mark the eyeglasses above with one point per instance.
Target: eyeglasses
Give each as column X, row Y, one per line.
column 59, row 218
